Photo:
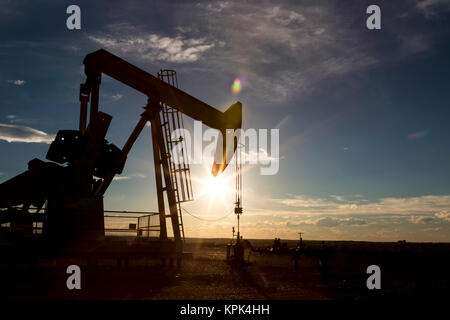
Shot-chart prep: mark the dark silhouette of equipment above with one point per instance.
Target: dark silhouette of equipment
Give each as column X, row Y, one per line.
column 71, row 188
column 300, row 243
column 236, row 251
column 238, row 192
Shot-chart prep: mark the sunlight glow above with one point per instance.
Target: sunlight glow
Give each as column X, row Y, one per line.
column 216, row 195
column 218, row 192
column 215, row 186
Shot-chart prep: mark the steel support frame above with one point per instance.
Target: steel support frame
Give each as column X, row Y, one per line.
column 161, row 161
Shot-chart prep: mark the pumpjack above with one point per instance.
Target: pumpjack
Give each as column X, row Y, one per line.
column 69, row 189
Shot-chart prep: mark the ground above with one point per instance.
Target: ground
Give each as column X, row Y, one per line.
column 407, row 270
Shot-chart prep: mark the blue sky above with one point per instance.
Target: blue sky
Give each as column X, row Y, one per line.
column 363, row 115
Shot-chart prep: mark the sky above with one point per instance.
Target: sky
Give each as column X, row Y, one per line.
column 362, row 114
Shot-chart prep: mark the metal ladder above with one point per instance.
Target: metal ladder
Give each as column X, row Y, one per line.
column 180, row 175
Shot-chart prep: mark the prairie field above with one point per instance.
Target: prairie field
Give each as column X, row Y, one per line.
column 408, row 270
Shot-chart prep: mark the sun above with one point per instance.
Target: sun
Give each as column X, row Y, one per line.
column 218, row 192
column 215, row 186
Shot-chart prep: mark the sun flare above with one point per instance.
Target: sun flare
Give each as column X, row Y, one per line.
column 215, row 186
column 218, row 192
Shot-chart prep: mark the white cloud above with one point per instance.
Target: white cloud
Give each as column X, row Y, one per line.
column 267, row 222
column 16, row 133
column 391, row 205
column 338, row 198
column 439, row 217
column 262, row 156
column 285, row 17
column 153, row 47
column 132, row 176
column 335, row 221
column 422, row 219
column 119, row 178
column 13, row 119
column 214, row 6
column 17, row 82
column 444, row 215
column 117, row 96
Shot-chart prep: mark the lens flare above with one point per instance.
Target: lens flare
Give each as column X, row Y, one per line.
column 236, row 87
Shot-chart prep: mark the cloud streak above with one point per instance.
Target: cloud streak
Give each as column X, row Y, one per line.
column 17, row 82
column 16, row 133
column 117, row 97
column 289, row 48
column 417, row 135
column 151, row 46
column 389, row 205
column 129, row 177
column 14, row 119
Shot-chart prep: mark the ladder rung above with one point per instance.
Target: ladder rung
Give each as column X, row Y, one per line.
column 171, row 121
column 182, row 169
